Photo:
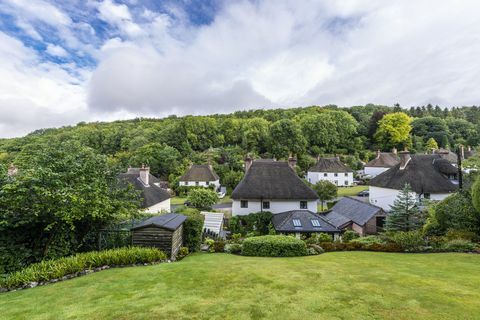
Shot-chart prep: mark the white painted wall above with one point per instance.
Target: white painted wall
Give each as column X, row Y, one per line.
column 163, row 206
column 276, row 206
column 384, row 197
column 216, row 183
column 374, row 171
column 344, row 179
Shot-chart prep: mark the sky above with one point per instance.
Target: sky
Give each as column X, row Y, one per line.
column 63, row 62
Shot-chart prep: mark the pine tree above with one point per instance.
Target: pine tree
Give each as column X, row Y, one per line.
column 404, row 212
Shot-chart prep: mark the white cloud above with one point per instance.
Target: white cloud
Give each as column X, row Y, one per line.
column 118, row 15
column 56, row 51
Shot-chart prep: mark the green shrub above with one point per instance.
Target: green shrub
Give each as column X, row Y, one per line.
column 349, row 235
column 57, row 268
column 182, row 253
column 274, row 246
column 236, row 238
column 311, row 251
column 192, row 232
column 408, row 240
column 317, row 248
column 317, row 238
column 460, row 235
column 219, row 246
column 259, row 223
column 368, row 240
column 460, row 245
column 235, row 248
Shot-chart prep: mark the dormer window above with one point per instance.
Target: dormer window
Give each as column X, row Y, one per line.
column 297, row 222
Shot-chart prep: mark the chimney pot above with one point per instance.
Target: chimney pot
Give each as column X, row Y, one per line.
column 145, row 174
column 292, row 162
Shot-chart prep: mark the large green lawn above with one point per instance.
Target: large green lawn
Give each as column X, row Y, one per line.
column 342, row 285
column 350, row 191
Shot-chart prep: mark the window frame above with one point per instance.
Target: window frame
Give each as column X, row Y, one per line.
column 243, row 203
column 265, row 204
column 297, row 223
column 303, row 206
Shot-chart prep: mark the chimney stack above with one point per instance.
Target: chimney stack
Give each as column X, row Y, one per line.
column 292, row 162
column 248, row 163
column 145, row 174
column 404, row 159
column 469, row 148
column 394, row 150
column 378, row 153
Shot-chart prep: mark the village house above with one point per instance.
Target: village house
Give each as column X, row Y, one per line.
column 200, row 176
column 154, row 198
column 430, row 177
column 303, row 222
column 273, row 186
column 332, row 170
column 353, row 214
column 381, row 163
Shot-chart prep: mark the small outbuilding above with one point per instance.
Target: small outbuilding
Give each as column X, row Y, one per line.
column 303, row 222
column 164, row 232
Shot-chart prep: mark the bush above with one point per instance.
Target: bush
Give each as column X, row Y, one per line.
column 317, row 238
column 317, row 248
column 219, row 246
column 274, row 246
column 460, row 245
column 368, row 240
column 236, row 238
column 182, row 253
column 202, row 198
column 234, row 248
column 349, row 235
column 192, row 231
column 259, row 223
column 460, row 235
column 54, row 269
column 311, row 251
column 408, row 240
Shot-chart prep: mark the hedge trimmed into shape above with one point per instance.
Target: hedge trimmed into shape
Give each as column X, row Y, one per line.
column 274, row 246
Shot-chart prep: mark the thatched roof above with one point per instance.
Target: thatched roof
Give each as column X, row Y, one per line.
column 307, row 222
column 272, row 180
column 424, row 173
column 384, row 160
column 329, row 165
column 350, row 209
column 200, row 172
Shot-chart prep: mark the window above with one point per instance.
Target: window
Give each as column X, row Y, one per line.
column 335, row 174
column 325, row 174
column 346, row 182
column 303, row 204
column 243, row 204
column 266, row 204
column 426, row 195
column 315, row 223
column 346, row 174
column 296, row 223
column 197, row 183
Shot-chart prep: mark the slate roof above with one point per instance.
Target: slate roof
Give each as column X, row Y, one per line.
column 151, row 194
column 424, row 173
column 384, row 160
column 200, row 172
column 329, row 165
column 272, row 180
column 283, row 222
column 170, row 221
column 350, row 209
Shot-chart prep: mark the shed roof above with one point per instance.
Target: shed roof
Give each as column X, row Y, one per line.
column 151, row 194
column 272, row 180
column 424, row 173
column 283, row 222
column 329, row 165
column 200, row 172
column 170, row 221
column 350, row 209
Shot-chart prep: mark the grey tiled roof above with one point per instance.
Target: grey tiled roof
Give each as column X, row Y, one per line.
column 170, row 221
column 283, row 222
column 272, row 180
column 350, row 209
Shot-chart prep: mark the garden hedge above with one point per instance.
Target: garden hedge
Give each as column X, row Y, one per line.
column 274, row 246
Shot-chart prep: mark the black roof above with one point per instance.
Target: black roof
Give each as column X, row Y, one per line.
column 350, row 209
column 170, row 221
column 424, row 173
column 151, row 193
column 283, row 222
column 272, row 180
column 329, row 165
column 200, row 172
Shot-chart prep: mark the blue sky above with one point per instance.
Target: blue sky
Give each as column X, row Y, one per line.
column 62, row 62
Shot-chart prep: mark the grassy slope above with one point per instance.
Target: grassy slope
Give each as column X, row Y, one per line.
column 343, row 285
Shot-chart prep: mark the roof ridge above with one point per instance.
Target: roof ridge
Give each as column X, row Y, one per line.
column 363, row 202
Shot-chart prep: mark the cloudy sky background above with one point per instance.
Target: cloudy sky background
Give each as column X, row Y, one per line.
column 62, row 62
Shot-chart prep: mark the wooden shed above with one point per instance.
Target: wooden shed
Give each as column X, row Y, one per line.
column 164, row 232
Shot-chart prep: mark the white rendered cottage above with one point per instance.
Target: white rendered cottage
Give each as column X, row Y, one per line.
column 273, row 186
column 154, row 198
column 381, row 163
column 330, row 169
column 200, row 176
column 430, row 177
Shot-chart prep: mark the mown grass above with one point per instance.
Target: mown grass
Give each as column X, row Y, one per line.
column 340, row 285
column 350, row 191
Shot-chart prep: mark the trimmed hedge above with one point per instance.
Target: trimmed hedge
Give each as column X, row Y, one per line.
column 58, row 268
column 274, row 246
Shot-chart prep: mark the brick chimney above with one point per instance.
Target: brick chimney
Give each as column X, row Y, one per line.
column 248, row 162
column 404, row 159
column 292, row 162
column 145, row 174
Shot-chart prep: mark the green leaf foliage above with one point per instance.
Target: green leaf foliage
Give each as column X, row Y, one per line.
column 274, row 246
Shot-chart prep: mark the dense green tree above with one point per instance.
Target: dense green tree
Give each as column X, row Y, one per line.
column 202, row 198
column 431, row 145
column 393, row 130
column 430, row 127
column 325, row 190
column 404, row 213
column 161, row 158
column 286, row 137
